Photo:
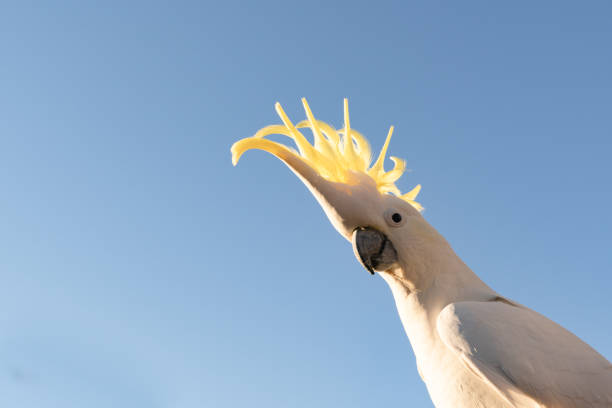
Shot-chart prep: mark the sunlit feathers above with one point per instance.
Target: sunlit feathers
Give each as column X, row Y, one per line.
column 335, row 153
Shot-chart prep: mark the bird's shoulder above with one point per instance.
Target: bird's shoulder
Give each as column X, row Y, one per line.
column 529, row 359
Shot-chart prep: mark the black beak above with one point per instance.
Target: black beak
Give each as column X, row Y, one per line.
column 373, row 249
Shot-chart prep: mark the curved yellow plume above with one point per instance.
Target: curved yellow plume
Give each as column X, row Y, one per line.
column 335, row 154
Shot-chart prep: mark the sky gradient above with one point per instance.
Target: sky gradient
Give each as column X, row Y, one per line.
column 140, row 269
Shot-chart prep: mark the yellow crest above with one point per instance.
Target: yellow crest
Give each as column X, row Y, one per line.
column 335, row 154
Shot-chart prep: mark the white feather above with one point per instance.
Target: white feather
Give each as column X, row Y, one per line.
column 528, row 359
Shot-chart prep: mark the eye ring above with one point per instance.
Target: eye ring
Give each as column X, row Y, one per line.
column 394, row 218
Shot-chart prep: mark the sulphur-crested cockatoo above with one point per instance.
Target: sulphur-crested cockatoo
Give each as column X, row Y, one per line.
column 474, row 347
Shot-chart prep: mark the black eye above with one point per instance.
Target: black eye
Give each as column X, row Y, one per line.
column 394, row 218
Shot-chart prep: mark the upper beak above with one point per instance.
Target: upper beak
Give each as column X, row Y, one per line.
column 373, row 249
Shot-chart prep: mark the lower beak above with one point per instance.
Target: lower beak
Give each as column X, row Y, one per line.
column 373, row 249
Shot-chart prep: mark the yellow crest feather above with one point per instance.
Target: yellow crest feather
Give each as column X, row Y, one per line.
column 334, row 153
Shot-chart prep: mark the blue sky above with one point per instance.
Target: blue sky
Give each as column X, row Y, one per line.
column 139, row 268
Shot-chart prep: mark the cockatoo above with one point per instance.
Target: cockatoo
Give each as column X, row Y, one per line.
column 473, row 347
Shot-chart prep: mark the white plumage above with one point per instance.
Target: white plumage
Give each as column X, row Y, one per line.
column 528, row 359
column 474, row 348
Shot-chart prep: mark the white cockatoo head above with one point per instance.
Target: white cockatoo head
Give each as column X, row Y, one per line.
column 361, row 200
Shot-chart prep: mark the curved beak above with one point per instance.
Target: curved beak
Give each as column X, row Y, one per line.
column 373, row 249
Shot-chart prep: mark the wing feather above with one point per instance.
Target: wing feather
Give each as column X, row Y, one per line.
column 528, row 359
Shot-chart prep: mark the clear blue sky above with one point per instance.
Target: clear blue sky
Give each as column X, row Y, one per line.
column 140, row 269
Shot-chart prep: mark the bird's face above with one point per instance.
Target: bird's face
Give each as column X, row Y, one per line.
column 385, row 230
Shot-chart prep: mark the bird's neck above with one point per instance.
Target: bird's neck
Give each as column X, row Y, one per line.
column 444, row 279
